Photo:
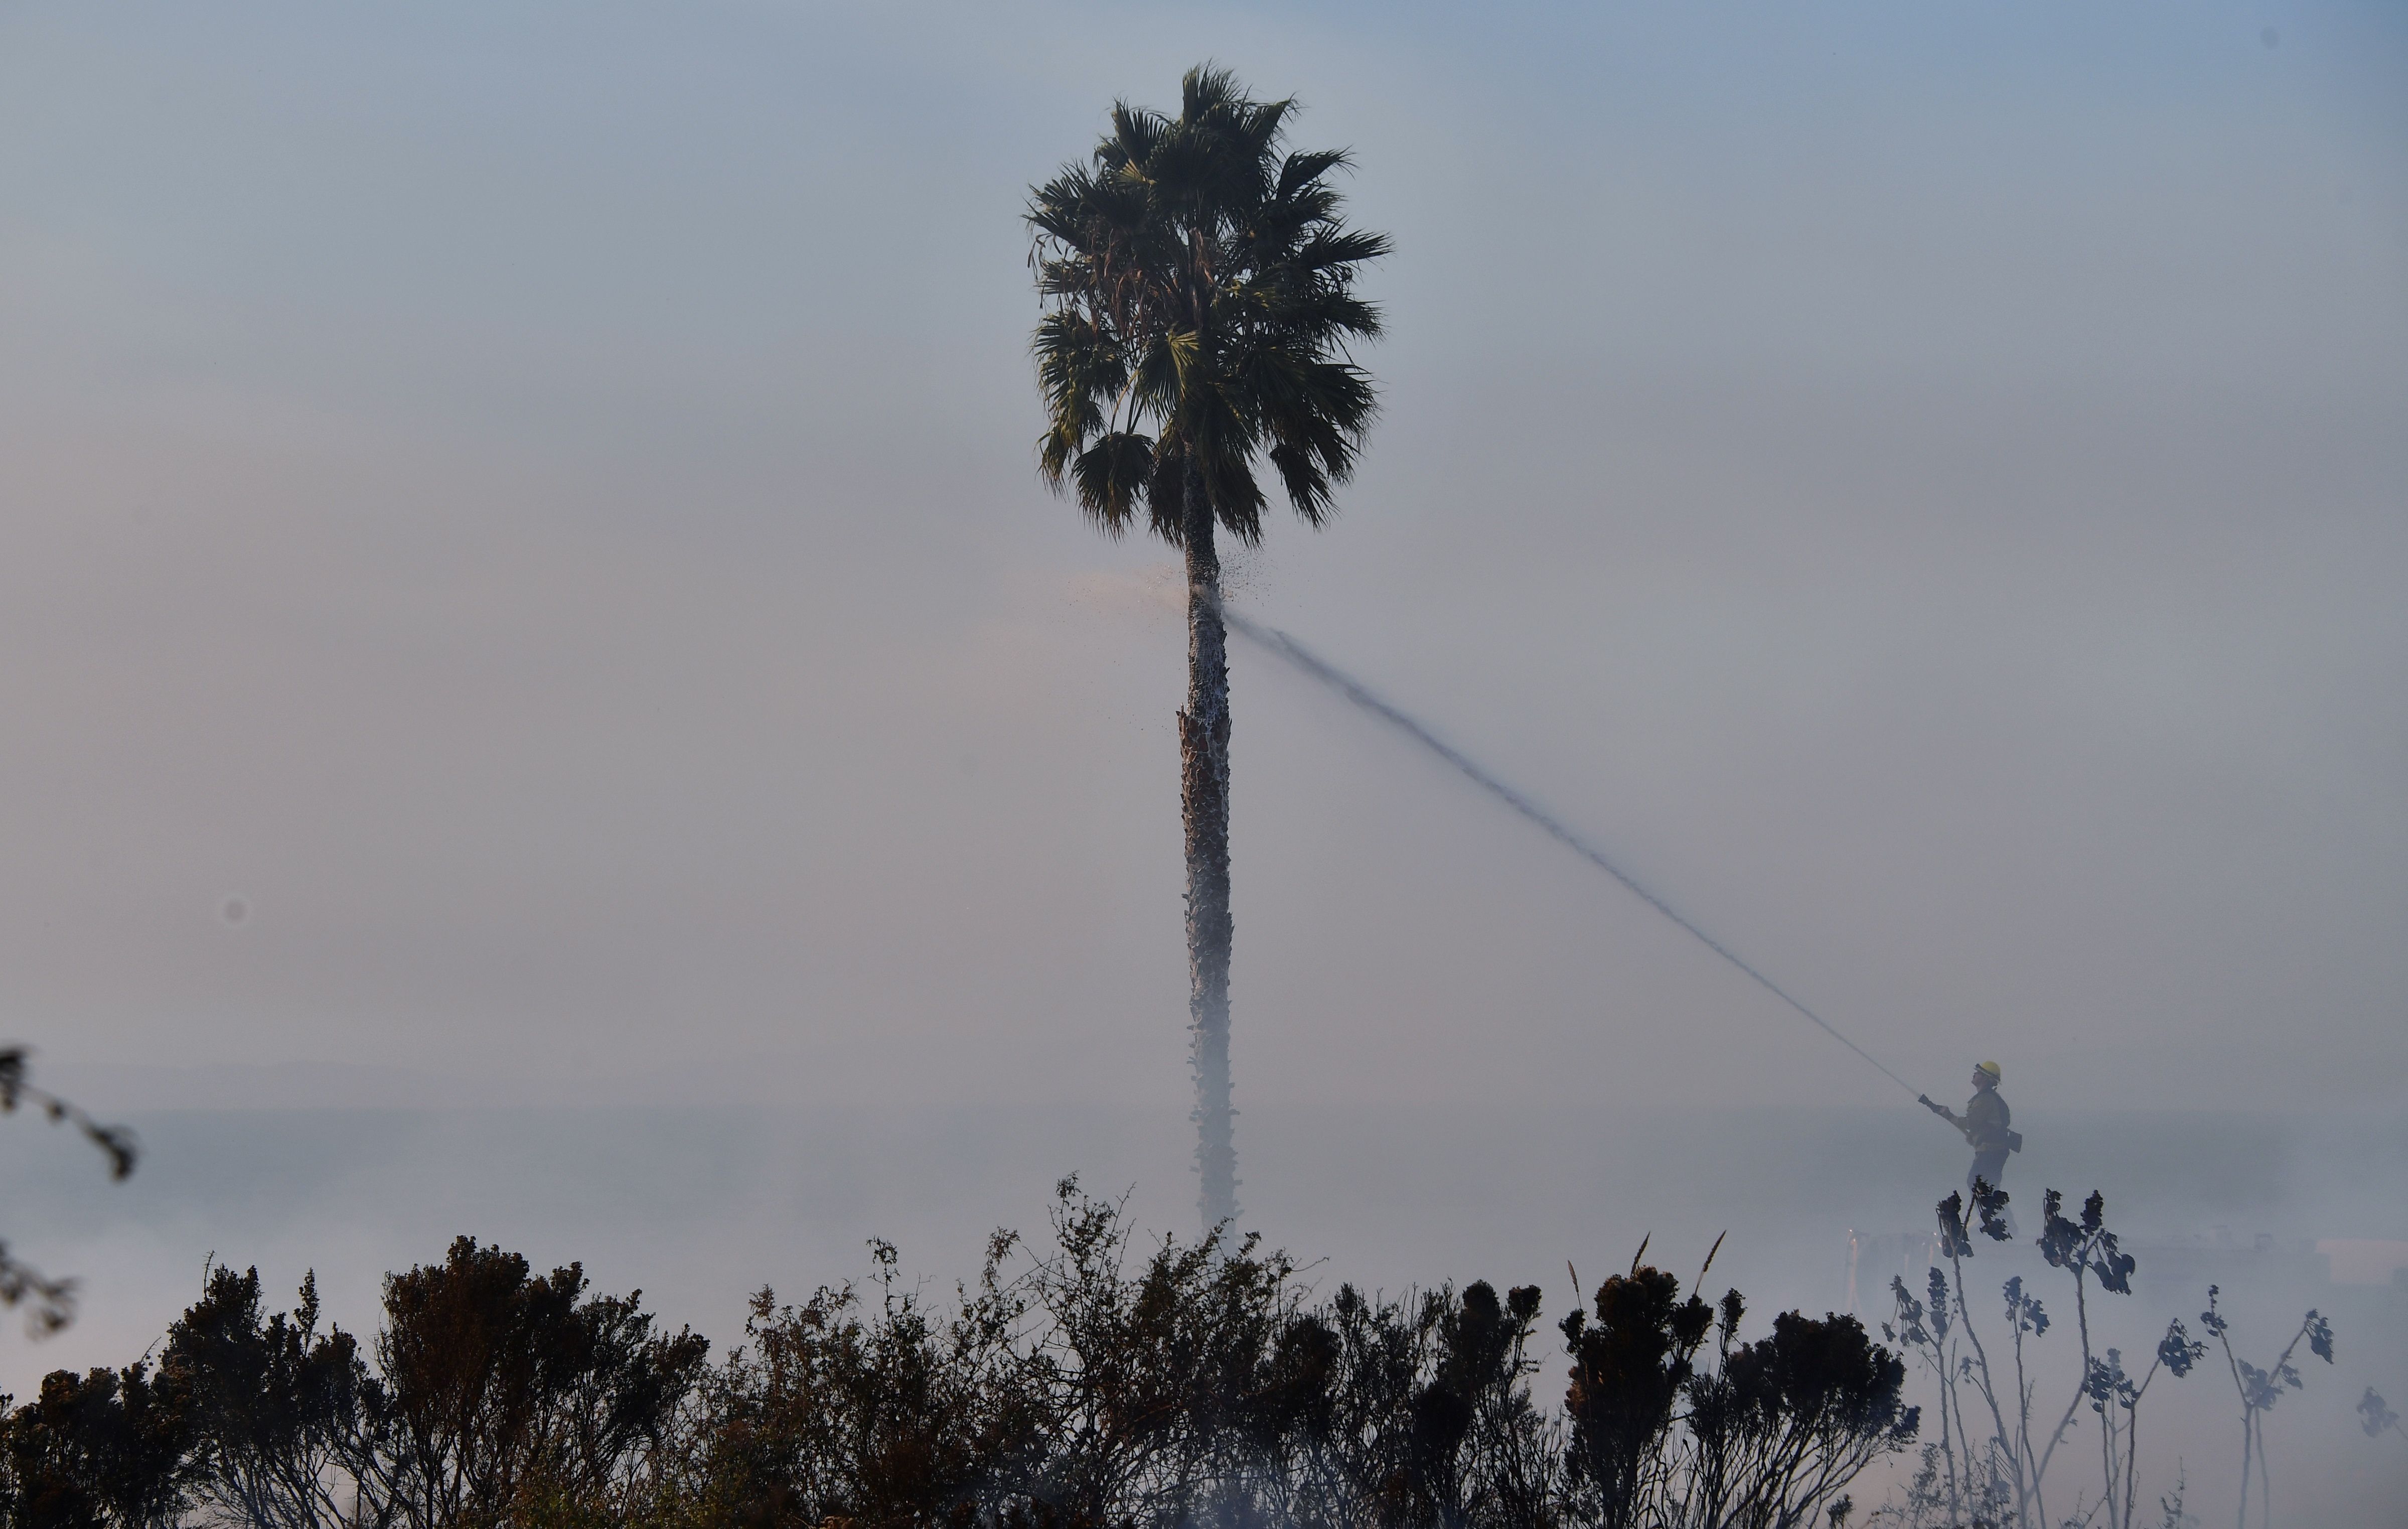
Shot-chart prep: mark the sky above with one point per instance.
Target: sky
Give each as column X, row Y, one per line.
column 522, row 575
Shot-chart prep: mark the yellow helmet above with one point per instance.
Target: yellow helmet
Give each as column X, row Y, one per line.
column 1990, row 1067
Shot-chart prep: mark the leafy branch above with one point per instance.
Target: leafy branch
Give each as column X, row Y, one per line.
column 51, row 1302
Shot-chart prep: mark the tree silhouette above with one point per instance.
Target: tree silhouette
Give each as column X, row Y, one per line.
column 1094, row 1380
column 1199, row 292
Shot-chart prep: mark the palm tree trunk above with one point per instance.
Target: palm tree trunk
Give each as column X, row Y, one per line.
column 1204, row 804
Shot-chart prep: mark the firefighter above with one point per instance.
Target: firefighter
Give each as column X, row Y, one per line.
column 1984, row 1125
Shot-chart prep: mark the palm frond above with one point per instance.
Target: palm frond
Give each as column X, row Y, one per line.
column 1308, row 488
column 1237, row 498
column 1339, row 249
column 1208, row 88
column 1111, row 476
column 1166, row 494
column 1154, row 387
column 1081, row 366
column 1136, row 134
column 1061, row 209
column 1299, row 170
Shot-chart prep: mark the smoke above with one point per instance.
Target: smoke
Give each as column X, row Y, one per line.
column 1280, row 645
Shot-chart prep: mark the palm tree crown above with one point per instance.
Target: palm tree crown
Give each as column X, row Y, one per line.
column 1200, row 286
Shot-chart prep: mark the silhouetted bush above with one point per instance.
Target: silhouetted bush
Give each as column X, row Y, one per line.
column 1096, row 1384
column 281, row 1404
column 110, row 1447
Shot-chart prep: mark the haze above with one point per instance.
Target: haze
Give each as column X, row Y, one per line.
column 522, row 585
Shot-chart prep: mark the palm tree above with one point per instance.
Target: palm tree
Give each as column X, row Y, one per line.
column 1199, row 298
